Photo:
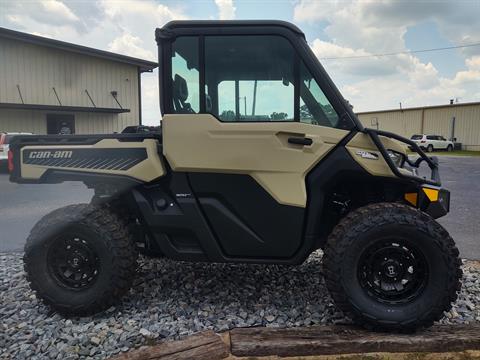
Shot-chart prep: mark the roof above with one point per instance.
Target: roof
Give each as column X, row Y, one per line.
column 144, row 65
column 230, row 23
column 421, row 108
column 17, row 106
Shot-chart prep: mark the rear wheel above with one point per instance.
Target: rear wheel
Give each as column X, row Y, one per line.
column 80, row 259
column 392, row 267
column 430, row 148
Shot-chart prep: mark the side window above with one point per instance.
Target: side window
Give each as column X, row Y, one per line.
column 185, row 75
column 430, row 137
column 249, row 78
column 314, row 105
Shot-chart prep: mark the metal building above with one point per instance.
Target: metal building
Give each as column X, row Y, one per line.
column 460, row 121
column 50, row 87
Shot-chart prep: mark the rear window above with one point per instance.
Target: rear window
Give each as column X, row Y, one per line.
column 416, row 137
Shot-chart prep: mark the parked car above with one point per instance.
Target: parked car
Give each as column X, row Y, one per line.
column 432, row 142
column 4, row 141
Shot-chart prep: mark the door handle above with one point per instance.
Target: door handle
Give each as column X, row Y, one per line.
column 300, row 141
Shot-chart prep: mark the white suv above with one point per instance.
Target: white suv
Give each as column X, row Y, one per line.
column 432, row 142
column 4, row 141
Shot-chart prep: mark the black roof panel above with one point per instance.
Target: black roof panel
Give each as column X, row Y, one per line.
column 175, row 24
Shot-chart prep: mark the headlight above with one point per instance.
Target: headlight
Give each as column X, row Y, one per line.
column 397, row 158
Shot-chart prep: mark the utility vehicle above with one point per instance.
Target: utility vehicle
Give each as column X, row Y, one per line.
column 259, row 160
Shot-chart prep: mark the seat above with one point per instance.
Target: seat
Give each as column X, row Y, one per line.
column 180, row 96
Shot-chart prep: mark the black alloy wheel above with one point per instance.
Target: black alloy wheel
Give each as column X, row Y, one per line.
column 393, row 271
column 73, row 261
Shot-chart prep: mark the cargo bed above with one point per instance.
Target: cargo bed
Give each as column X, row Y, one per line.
column 99, row 158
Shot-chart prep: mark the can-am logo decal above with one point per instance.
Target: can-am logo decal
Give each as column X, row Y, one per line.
column 59, row 154
column 367, row 155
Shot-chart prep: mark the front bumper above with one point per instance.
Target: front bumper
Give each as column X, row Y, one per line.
column 435, row 201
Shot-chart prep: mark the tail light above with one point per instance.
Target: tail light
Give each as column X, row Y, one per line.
column 423, row 141
column 10, row 160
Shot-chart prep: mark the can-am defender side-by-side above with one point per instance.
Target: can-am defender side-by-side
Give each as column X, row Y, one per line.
column 259, row 160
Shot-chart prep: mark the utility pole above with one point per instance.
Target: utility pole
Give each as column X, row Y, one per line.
column 244, row 103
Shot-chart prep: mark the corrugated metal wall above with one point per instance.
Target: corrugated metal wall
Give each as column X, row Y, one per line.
column 37, row 70
column 35, row 122
column 436, row 121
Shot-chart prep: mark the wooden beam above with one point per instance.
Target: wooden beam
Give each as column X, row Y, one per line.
column 203, row 346
column 331, row 340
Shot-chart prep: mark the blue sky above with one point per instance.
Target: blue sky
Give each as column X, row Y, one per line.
column 332, row 28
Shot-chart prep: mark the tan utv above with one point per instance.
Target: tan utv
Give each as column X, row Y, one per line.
column 260, row 160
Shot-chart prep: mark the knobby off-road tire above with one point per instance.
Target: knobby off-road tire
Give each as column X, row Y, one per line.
column 144, row 246
column 409, row 236
column 80, row 259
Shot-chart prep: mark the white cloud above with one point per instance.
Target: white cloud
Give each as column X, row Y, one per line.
column 473, row 62
column 358, row 28
column 312, row 11
column 58, row 8
column 132, row 45
column 226, row 10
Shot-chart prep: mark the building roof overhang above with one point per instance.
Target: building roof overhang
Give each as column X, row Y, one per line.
column 61, row 108
column 143, row 65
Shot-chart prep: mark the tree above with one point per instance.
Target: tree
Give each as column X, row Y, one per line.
column 279, row 116
column 228, row 115
column 305, row 113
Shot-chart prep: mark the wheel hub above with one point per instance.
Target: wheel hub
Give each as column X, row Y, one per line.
column 392, row 272
column 392, row 268
column 73, row 262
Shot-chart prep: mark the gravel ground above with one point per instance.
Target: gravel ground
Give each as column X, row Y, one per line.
column 171, row 299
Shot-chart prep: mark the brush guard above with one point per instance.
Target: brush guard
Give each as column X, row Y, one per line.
column 432, row 162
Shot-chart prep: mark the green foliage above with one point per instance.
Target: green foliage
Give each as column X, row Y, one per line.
column 279, row 116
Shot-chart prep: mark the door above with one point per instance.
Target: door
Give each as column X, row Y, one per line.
column 432, row 140
column 63, row 124
column 268, row 124
column 443, row 142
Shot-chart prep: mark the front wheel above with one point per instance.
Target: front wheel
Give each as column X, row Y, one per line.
column 392, row 267
column 80, row 259
column 449, row 148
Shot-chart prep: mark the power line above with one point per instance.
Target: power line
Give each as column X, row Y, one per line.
column 401, row 52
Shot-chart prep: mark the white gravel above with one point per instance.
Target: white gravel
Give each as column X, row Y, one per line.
column 171, row 299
